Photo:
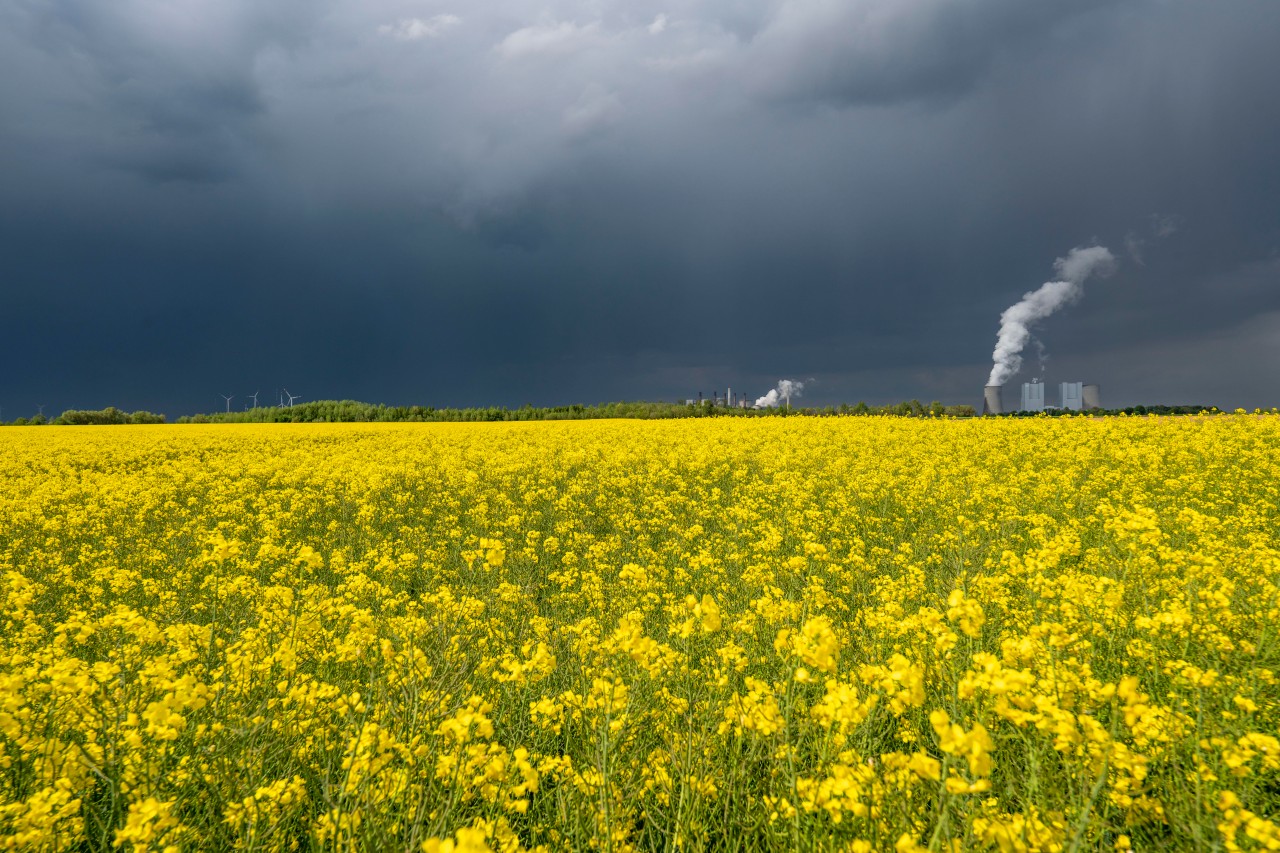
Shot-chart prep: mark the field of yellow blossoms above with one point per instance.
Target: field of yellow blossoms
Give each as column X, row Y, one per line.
column 736, row 634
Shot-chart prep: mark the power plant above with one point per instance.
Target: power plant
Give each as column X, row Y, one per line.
column 1073, row 396
column 1032, row 396
column 730, row 400
column 1018, row 321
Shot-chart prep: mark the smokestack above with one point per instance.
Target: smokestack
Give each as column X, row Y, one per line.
column 1090, row 397
column 991, row 404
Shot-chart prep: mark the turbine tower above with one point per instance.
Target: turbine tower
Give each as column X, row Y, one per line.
column 228, row 399
column 254, row 397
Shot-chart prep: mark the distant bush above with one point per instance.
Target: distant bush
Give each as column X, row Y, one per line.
column 108, row 416
column 1128, row 410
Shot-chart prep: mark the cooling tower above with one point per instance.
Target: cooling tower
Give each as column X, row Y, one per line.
column 1090, row 397
column 991, row 404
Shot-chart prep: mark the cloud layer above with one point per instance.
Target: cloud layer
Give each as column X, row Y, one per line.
column 517, row 201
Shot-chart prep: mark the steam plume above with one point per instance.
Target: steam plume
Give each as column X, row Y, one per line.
column 787, row 388
column 1017, row 319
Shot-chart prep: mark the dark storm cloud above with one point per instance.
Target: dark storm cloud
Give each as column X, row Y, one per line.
column 883, row 52
column 566, row 201
column 166, row 90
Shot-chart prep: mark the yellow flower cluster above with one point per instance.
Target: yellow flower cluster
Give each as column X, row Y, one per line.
column 851, row 634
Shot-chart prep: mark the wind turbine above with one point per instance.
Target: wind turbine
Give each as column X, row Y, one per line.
column 40, row 409
column 254, row 397
column 228, row 399
column 291, row 397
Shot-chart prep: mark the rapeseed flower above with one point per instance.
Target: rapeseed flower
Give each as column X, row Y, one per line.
column 842, row 633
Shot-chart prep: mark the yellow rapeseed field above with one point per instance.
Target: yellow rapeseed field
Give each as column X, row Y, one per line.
column 787, row 633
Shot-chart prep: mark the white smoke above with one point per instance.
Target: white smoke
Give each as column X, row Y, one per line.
column 787, row 388
column 1017, row 319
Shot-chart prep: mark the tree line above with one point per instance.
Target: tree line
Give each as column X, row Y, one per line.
column 354, row 411
column 84, row 417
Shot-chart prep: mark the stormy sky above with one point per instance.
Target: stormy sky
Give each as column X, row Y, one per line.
column 446, row 203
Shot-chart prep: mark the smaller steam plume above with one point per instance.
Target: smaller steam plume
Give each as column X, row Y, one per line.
column 1162, row 226
column 1042, row 355
column 787, row 388
column 1017, row 319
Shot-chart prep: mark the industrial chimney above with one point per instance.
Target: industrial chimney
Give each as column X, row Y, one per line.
column 1090, row 397
column 991, row 404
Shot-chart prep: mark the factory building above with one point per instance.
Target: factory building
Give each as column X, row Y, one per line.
column 1072, row 396
column 1032, row 397
column 729, row 400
